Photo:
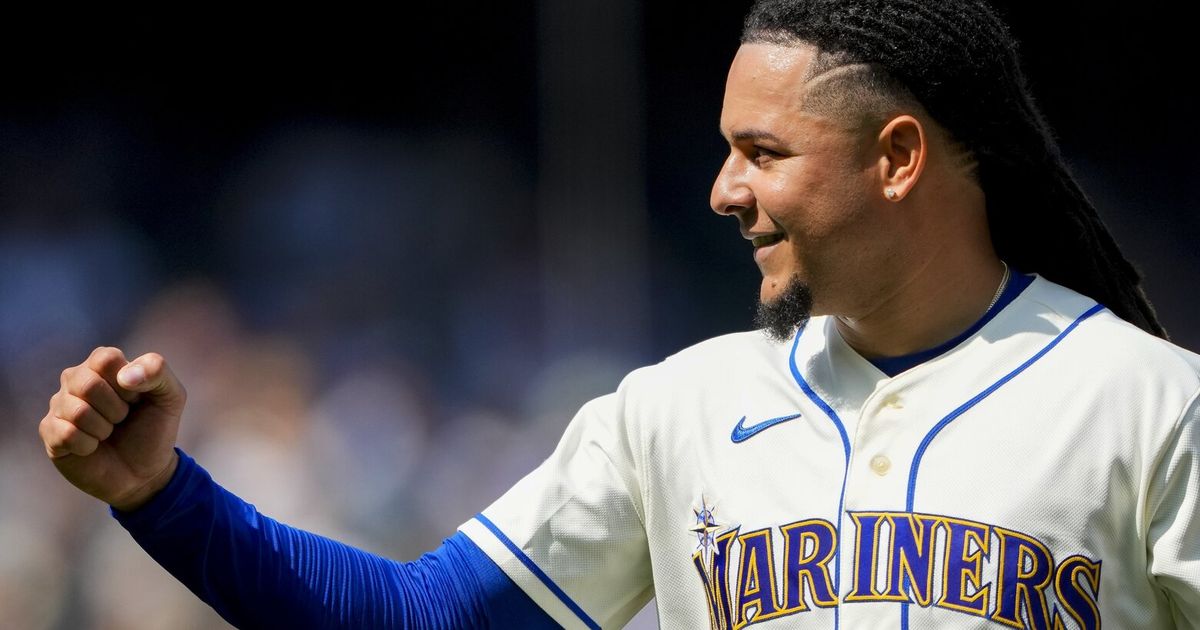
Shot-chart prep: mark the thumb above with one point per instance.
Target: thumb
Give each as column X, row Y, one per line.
column 132, row 377
column 149, row 375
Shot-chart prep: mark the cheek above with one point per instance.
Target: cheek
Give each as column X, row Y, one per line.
column 839, row 231
column 816, row 206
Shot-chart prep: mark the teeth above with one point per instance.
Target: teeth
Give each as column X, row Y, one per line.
column 763, row 241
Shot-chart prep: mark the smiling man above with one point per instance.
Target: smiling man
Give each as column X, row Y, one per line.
column 963, row 413
column 832, row 205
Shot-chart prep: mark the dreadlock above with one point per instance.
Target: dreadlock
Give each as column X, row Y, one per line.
column 957, row 59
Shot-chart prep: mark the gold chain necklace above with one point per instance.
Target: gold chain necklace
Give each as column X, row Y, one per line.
column 1000, row 289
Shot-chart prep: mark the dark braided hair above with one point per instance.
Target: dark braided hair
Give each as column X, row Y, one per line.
column 957, row 60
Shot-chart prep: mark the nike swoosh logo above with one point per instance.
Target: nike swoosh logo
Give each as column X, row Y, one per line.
column 741, row 432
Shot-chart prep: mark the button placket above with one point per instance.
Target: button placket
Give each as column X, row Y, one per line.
column 876, row 423
column 880, row 465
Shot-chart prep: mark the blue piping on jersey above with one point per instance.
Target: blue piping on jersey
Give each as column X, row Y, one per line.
column 937, row 428
column 537, row 571
column 916, row 464
column 837, row 422
column 895, row 365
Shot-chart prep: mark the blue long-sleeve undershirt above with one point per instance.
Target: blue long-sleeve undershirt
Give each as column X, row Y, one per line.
column 259, row 573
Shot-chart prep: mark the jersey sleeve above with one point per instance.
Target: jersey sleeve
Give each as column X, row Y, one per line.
column 1174, row 529
column 259, row 573
column 571, row 533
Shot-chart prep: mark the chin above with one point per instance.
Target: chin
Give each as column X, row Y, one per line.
column 783, row 307
column 773, row 287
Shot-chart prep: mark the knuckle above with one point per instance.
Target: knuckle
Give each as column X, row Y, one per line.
column 56, row 433
column 76, row 439
column 64, row 377
column 44, row 429
column 66, row 433
column 91, row 384
column 104, row 356
column 77, row 413
column 99, row 353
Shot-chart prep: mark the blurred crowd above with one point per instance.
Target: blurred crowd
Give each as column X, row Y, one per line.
column 368, row 457
column 340, row 379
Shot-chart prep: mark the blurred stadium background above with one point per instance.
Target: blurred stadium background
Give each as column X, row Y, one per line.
column 390, row 257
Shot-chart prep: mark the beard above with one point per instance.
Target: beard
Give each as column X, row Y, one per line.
column 780, row 317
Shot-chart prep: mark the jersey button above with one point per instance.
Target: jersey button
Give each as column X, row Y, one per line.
column 881, row 465
column 892, row 401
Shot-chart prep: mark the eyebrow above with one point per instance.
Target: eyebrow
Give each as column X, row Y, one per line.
column 743, row 135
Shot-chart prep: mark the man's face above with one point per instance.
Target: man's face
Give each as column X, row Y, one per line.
column 802, row 186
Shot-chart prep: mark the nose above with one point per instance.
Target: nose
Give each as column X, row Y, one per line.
column 730, row 194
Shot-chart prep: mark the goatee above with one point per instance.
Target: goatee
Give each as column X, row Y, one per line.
column 779, row 318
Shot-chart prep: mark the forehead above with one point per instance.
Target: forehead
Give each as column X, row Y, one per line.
column 766, row 87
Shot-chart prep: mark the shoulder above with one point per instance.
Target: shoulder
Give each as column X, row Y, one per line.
column 1110, row 344
column 717, row 359
column 1127, row 381
column 705, row 377
column 745, row 346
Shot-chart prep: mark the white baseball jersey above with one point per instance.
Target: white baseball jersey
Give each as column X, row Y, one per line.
column 1044, row 473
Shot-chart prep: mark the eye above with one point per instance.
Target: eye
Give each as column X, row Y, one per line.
column 762, row 154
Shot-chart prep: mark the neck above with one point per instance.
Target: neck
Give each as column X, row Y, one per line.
column 925, row 308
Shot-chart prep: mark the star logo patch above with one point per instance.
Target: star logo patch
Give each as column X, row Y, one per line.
column 706, row 529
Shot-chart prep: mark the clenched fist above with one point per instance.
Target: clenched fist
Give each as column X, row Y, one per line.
column 111, row 427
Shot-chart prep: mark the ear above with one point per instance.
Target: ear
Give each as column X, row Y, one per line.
column 902, row 146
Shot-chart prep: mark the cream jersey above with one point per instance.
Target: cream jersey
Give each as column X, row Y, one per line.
column 1043, row 473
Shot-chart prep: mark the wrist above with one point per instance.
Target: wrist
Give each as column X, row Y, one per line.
column 147, row 491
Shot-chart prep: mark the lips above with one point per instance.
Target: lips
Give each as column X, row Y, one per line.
column 766, row 240
column 764, row 245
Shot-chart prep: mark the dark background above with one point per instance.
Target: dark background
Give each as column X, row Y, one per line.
column 150, row 120
column 487, row 207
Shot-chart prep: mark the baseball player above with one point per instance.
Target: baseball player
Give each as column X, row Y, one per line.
column 963, row 413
